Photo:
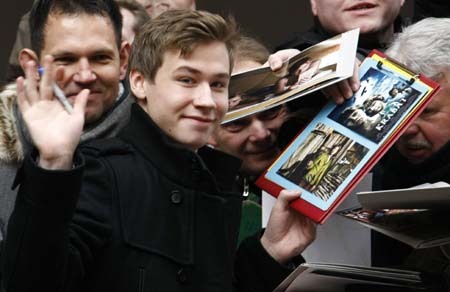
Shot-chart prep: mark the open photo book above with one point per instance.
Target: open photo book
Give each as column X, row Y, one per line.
column 416, row 216
column 316, row 67
column 343, row 142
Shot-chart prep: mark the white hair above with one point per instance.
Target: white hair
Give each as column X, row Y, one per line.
column 424, row 47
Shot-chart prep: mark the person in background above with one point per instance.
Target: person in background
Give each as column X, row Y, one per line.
column 422, row 153
column 133, row 17
column 84, row 38
column 377, row 21
column 156, row 7
column 23, row 40
column 148, row 6
column 254, row 139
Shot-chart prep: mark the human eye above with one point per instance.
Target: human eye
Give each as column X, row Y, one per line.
column 269, row 114
column 235, row 126
column 220, row 85
column 64, row 60
column 186, row 80
column 101, row 58
column 428, row 111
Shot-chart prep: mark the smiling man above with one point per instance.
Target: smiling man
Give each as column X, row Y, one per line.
column 83, row 37
column 150, row 210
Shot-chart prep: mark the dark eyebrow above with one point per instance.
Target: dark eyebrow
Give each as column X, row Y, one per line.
column 196, row 72
column 70, row 53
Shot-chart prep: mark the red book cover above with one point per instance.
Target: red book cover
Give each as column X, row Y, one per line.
column 343, row 142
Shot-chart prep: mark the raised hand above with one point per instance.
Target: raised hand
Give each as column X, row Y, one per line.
column 288, row 232
column 54, row 131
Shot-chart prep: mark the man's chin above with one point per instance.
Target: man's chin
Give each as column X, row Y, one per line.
column 255, row 169
column 415, row 156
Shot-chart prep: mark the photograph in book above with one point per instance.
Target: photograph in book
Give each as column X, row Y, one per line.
column 318, row 66
column 334, row 151
column 376, row 106
column 323, row 161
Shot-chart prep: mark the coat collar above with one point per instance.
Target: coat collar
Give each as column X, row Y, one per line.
column 208, row 168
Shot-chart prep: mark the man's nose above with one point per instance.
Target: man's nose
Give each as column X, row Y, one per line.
column 258, row 131
column 84, row 73
column 204, row 96
column 411, row 130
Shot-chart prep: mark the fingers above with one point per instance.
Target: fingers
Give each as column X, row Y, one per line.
column 286, row 196
column 345, row 89
column 30, row 86
column 354, row 80
column 80, row 101
column 334, row 92
column 278, row 59
column 21, row 98
column 45, row 87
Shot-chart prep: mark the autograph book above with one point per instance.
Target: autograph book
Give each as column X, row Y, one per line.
column 341, row 144
column 318, row 66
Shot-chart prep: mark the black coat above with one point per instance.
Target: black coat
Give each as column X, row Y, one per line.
column 150, row 216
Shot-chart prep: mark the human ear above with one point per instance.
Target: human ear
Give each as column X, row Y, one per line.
column 313, row 7
column 25, row 56
column 124, row 54
column 137, row 86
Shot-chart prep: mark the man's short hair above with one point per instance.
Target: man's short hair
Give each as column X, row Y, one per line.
column 178, row 30
column 140, row 14
column 42, row 9
column 250, row 49
column 424, row 47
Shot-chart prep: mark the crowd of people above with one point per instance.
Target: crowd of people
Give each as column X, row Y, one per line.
column 142, row 188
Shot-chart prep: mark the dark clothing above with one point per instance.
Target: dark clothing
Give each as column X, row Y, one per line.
column 151, row 215
column 317, row 34
column 394, row 172
column 431, row 8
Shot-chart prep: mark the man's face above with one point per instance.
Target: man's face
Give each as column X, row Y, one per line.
column 86, row 47
column 160, row 6
column 253, row 139
column 371, row 16
column 431, row 130
column 189, row 95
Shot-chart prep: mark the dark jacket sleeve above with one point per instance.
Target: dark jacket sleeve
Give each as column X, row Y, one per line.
column 53, row 231
column 255, row 269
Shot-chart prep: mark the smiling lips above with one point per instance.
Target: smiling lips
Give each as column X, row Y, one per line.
column 201, row 119
column 361, row 6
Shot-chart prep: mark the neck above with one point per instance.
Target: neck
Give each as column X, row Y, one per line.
column 378, row 39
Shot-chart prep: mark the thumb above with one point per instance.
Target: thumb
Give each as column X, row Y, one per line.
column 287, row 196
column 275, row 62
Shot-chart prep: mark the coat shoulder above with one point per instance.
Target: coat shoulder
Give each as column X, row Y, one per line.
column 10, row 145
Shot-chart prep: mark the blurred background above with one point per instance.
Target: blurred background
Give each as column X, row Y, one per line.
column 271, row 22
